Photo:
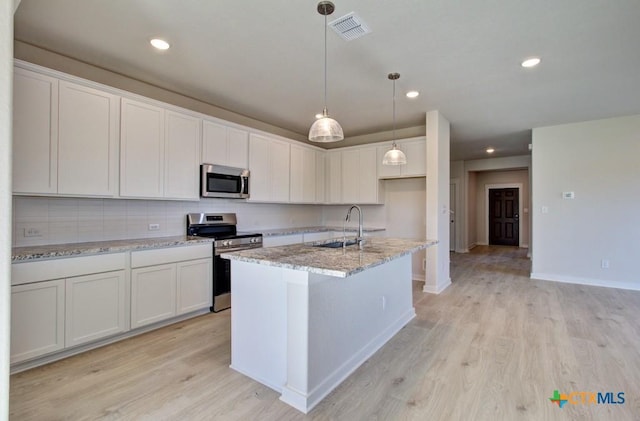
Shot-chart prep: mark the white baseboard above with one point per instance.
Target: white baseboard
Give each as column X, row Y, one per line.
column 417, row 277
column 480, row 243
column 438, row 289
column 524, row 246
column 633, row 286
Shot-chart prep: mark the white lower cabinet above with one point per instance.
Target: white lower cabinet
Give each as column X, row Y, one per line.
column 169, row 282
column 193, row 285
column 37, row 319
column 153, row 294
column 94, row 307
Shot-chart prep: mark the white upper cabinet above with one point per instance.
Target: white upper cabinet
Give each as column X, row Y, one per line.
column 321, row 164
column 69, row 132
column 182, row 137
column 359, row 179
column 87, row 141
column 141, row 150
column 416, row 152
column 303, row 175
column 334, row 177
column 269, row 165
column 35, row 132
column 158, row 152
column 223, row 145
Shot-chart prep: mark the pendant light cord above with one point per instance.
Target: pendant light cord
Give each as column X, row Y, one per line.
column 394, row 113
column 325, row 61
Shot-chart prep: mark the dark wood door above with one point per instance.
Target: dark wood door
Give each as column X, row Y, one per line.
column 503, row 217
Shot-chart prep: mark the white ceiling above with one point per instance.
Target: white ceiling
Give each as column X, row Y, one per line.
column 265, row 60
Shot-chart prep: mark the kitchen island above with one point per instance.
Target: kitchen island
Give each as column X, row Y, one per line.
column 305, row 317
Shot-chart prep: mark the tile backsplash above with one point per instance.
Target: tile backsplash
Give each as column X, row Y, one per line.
column 57, row 220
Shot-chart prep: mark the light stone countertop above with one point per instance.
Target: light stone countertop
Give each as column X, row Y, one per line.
column 333, row 262
column 304, row 230
column 52, row 251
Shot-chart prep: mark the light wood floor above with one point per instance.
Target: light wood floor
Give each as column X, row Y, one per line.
column 493, row 346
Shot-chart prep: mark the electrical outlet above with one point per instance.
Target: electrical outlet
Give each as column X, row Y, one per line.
column 32, row 232
column 384, row 303
column 154, row 227
column 604, row 264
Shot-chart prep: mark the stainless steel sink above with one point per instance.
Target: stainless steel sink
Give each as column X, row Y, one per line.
column 336, row 243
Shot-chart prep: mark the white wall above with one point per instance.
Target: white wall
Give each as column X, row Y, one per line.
column 598, row 161
column 6, row 76
column 71, row 220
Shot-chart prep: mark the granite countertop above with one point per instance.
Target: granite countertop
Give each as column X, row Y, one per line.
column 305, row 230
column 333, row 262
column 31, row 253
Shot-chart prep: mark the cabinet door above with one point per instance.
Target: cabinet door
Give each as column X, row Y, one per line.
column 214, row 143
column 279, row 157
column 182, row 137
column 296, row 191
column 308, row 175
column 141, row 150
column 334, row 177
column 37, row 319
column 351, row 177
column 95, row 307
column 35, row 132
column 88, row 133
column 238, row 148
column 194, row 285
column 259, row 165
column 153, row 294
column 367, row 176
column 416, row 152
column 321, row 163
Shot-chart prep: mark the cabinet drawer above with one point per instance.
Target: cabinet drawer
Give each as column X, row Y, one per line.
column 23, row 273
column 170, row 255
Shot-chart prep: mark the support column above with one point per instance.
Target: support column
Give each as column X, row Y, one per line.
column 7, row 8
column 437, row 273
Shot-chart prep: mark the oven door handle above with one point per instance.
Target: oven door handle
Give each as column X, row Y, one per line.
column 217, row 253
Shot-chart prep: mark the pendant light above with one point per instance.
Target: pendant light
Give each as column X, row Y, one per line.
column 325, row 129
column 394, row 156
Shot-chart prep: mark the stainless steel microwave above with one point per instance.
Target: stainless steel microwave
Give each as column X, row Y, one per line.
column 222, row 181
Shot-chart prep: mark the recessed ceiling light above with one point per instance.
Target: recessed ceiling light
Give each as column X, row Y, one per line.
column 412, row 94
column 160, row 44
column 490, row 150
column 531, row 62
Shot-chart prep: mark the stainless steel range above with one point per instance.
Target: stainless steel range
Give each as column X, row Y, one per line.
column 221, row 227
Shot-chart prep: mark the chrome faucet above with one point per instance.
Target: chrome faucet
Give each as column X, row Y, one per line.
column 359, row 238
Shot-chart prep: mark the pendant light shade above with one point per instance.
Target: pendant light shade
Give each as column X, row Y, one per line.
column 325, row 129
column 394, row 156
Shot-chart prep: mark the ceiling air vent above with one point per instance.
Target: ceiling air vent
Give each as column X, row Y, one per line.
column 349, row 26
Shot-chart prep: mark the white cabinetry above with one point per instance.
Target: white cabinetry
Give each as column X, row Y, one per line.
column 416, row 152
column 62, row 303
column 359, row 176
column 37, row 319
column 94, row 307
column 269, row 165
column 181, row 178
column 281, row 240
column 303, row 185
column 334, row 177
column 87, row 141
column 65, row 137
column 321, row 186
column 35, row 132
column 169, row 282
column 223, row 145
column 158, row 152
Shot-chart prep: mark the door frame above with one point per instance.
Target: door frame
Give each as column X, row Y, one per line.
column 457, row 218
column 487, row 187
